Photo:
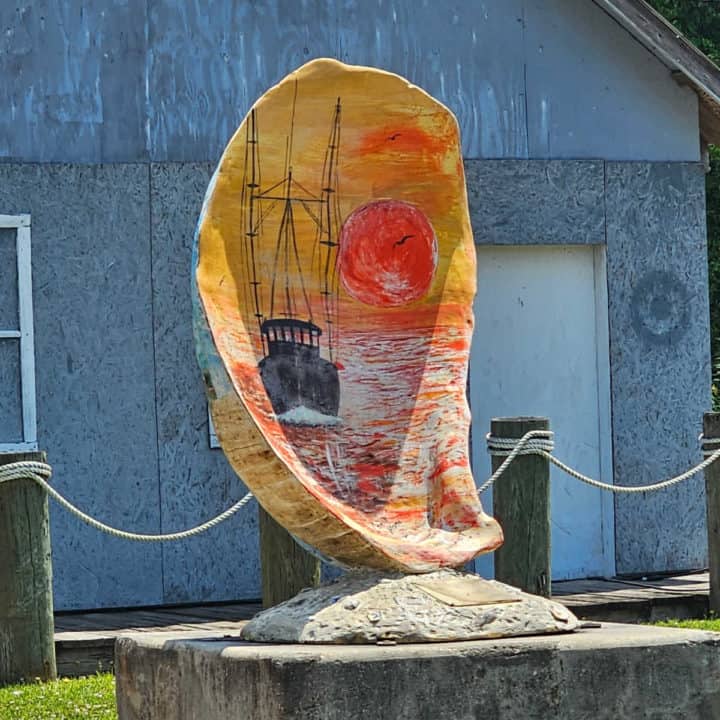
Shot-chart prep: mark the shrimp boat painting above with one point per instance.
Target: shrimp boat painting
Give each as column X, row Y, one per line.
column 303, row 387
column 333, row 292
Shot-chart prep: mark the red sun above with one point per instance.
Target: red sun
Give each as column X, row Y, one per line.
column 388, row 253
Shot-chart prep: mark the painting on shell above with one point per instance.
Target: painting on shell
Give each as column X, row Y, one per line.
column 333, row 282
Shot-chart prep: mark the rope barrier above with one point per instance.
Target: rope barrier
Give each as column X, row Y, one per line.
column 535, row 442
column 709, row 445
column 41, row 472
column 539, row 442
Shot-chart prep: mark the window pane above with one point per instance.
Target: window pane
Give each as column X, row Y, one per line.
column 10, row 397
column 8, row 280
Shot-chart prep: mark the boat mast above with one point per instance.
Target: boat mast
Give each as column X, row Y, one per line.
column 329, row 231
column 252, row 229
column 288, row 296
column 287, row 258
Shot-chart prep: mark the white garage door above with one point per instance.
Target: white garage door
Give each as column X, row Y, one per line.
column 541, row 348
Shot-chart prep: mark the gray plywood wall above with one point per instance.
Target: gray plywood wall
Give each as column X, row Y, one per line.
column 112, row 116
column 121, row 407
column 169, row 80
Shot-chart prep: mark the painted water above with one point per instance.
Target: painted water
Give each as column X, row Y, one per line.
column 403, row 423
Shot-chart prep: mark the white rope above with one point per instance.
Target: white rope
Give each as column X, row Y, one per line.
column 539, row 442
column 526, row 445
column 535, row 442
column 710, row 445
column 41, row 472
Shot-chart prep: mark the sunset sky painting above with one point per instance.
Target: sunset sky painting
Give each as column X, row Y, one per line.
column 335, row 273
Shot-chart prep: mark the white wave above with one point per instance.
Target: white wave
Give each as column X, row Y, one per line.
column 302, row 415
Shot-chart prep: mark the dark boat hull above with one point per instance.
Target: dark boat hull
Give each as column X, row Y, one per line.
column 301, row 379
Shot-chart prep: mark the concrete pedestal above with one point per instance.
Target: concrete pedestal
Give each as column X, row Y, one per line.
column 617, row 672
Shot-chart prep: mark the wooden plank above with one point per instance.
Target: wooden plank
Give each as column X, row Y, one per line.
column 108, row 621
column 572, row 587
column 286, row 567
column 90, row 621
column 20, row 447
column 521, row 505
column 27, row 647
column 27, row 335
column 142, row 620
column 652, row 30
column 209, row 629
column 76, row 659
column 70, row 623
column 230, row 613
column 14, row 221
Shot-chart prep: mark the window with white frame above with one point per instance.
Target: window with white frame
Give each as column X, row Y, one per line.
column 18, row 423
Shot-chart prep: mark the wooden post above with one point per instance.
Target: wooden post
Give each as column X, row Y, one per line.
column 711, row 431
column 521, row 503
column 286, row 567
column 27, row 643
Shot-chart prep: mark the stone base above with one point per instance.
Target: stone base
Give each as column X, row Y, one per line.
column 619, row 672
column 366, row 607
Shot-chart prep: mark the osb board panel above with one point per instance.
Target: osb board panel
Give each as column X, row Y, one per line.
column 95, row 370
column 196, row 482
column 660, row 358
column 536, row 202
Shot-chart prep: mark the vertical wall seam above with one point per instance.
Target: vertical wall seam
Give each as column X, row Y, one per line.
column 525, row 83
column 156, row 399
column 610, row 363
column 150, row 156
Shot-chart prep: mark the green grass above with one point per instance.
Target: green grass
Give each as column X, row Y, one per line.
column 706, row 624
column 90, row 698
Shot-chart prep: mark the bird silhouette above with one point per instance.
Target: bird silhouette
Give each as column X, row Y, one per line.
column 402, row 240
column 394, row 136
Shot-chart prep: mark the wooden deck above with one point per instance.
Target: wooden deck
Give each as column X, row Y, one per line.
column 634, row 601
column 84, row 642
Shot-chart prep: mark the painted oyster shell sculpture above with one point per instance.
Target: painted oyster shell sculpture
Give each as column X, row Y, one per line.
column 333, row 285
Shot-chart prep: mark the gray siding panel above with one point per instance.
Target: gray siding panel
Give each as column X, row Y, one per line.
column 468, row 55
column 73, row 86
column 238, row 51
column 196, row 482
column 168, row 81
column 95, row 371
column 535, row 202
column 469, row 58
column 660, row 358
column 593, row 91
